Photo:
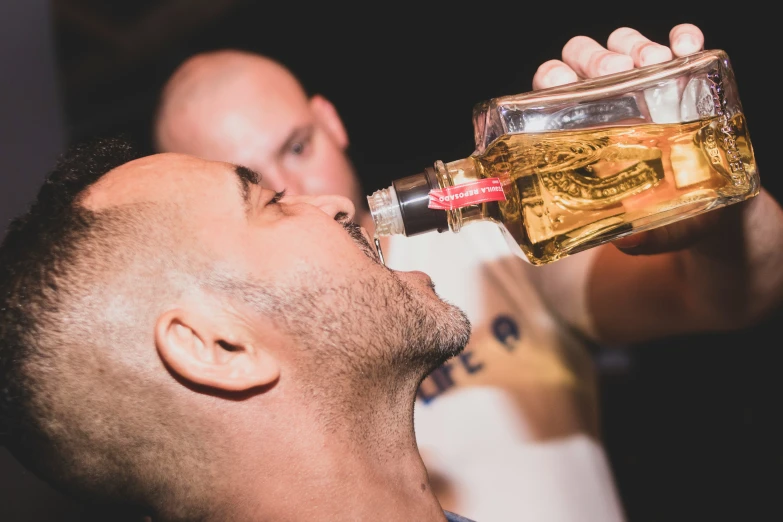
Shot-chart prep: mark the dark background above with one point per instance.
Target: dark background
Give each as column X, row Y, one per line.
column 690, row 424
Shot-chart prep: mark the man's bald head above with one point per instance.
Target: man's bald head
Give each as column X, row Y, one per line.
column 211, row 90
column 247, row 109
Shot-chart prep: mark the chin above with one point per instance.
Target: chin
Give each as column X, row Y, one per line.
column 419, row 279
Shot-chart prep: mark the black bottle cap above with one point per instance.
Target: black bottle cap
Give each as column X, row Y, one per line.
column 413, row 195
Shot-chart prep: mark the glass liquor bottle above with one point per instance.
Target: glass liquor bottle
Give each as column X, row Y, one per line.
column 569, row 168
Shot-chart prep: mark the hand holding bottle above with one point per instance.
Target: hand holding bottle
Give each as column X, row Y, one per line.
column 657, row 161
column 727, row 280
column 626, row 48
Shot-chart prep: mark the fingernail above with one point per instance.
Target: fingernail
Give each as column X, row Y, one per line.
column 561, row 76
column 616, row 63
column 685, row 44
column 628, row 242
column 654, row 54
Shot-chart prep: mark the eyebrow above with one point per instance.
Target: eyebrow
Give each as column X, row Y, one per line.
column 246, row 176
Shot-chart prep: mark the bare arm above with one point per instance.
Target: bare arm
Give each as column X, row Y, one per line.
column 729, row 279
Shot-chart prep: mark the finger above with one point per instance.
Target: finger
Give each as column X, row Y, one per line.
column 552, row 74
column 670, row 238
column 590, row 59
column 633, row 43
column 650, row 242
column 686, row 39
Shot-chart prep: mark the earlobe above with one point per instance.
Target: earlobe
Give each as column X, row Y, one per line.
column 328, row 116
column 212, row 353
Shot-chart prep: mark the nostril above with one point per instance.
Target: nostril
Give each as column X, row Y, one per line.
column 341, row 216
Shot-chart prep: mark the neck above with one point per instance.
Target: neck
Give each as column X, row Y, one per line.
column 362, row 465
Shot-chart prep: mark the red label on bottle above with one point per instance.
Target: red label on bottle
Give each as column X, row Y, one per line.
column 472, row 193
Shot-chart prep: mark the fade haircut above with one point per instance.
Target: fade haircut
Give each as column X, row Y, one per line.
column 79, row 294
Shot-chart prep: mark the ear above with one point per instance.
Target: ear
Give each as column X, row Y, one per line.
column 213, row 352
column 326, row 114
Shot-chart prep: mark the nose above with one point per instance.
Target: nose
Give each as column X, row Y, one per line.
column 337, row 207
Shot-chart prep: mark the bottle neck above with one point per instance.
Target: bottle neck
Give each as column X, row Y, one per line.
column 455, row 173
column 404, row 207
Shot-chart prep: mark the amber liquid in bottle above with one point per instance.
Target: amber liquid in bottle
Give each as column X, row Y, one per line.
column 568, row 191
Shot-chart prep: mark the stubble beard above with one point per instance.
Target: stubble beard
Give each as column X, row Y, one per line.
column 361, row 347
column 421, row 331
column 377, row 332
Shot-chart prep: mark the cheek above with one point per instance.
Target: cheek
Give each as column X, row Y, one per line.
column 314, row 241
column 223, row 236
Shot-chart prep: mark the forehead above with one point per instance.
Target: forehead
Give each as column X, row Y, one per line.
column 271, row 105
column 267, row 88
column 173, row 178
column 247, row 124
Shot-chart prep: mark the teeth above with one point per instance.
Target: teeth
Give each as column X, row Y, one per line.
column 663, row 102
column 697, row 102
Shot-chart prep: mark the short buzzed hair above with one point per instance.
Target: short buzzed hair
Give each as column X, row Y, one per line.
column 78, row 291
column 33, row 257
